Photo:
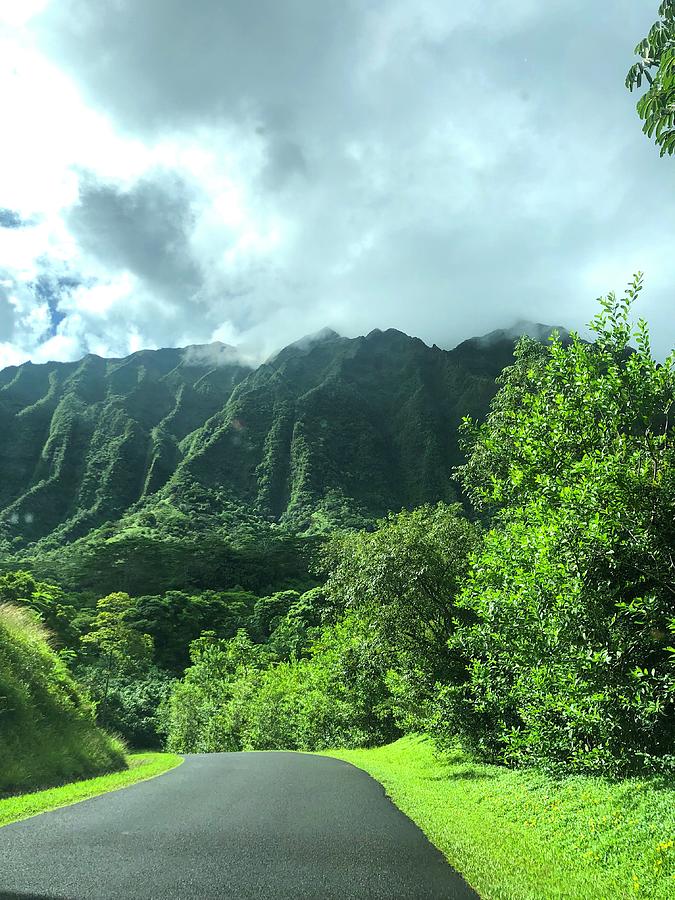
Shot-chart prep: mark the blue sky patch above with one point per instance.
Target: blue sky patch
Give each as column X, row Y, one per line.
column 10, row 219
column 49, row 290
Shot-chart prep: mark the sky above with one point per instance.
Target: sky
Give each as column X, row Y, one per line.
column 253, row 171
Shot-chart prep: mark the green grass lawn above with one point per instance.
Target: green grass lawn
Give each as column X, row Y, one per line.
column 518, row 835
column 141, row 767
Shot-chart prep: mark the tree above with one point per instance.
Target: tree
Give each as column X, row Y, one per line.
column 196, row 714
column 237, row 696
column 656, row 107
column 269, row 611
column 570, row 656
column 120, row 646
column 48, row 600
column 404, row 578
column 175, row 619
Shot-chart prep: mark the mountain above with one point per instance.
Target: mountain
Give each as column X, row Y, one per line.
column 495, row 349
column 338, row 430
column 329, row 430
column 80, row 442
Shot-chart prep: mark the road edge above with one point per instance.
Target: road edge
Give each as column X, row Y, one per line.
column 36, row 803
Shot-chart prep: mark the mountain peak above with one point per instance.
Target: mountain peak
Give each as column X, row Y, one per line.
column 214, row 354
column 377, row 333
column 535, row 330
column 305, row 344
column 316, row 337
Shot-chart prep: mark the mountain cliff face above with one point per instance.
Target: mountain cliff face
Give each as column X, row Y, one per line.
column 80, row 442
column 330, row 430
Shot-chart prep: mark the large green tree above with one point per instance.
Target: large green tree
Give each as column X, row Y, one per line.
column 116, row 643
column 404, row 579
column 571, row 656
column 656, row 66
column 114, row 636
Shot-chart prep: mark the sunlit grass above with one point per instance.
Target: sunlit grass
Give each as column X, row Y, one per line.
column 141, row 767
column 519, row 835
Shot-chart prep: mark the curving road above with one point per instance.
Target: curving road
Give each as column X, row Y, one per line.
column 283, row 826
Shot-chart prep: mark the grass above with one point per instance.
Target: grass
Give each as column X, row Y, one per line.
column 518, row 835
column 47, row 731
column 141, row 767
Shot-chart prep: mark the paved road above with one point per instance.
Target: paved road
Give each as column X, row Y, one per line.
column 283, row 826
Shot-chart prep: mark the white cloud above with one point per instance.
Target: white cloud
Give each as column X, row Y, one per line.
column 15, row 15
column 98, row 300
column 62, row 347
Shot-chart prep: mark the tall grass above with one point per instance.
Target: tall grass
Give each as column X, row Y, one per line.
column 47, row 730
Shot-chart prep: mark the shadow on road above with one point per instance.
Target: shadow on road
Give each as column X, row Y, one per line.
column 10, row 895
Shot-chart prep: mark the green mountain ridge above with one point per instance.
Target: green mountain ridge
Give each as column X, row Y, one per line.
column 330, row 430
column 82, row 441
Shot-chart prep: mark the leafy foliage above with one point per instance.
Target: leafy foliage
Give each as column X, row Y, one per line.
column 128, row 703
column 126, row 652
column 115, row 638
column 656, row 107
column 347, row 664
column 239, row 695
column 404, row 578
column 48, row 600
column 140, row 560
column 175, row 619
column 571, row 662
column 118, row 673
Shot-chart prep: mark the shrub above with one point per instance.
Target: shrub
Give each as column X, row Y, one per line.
column 235, row 697
column 403, row 579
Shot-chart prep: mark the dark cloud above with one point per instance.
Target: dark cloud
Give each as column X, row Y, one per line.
column 214, row 60
column 285, row 159
column 144, row 229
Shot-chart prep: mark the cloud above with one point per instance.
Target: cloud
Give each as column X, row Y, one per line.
column 285, row 160
column 10, row 219
column 144, row 230
column 250, row 172
column 50, row 289
column 181, row 262
column 31, row 314
column 215, row 354
column 217, row 61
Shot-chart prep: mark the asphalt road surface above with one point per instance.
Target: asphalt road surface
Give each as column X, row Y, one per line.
column 283, row 826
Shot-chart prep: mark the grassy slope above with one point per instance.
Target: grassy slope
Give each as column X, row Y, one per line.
column 141, row 767
column 523, row 836
column 47, row 730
